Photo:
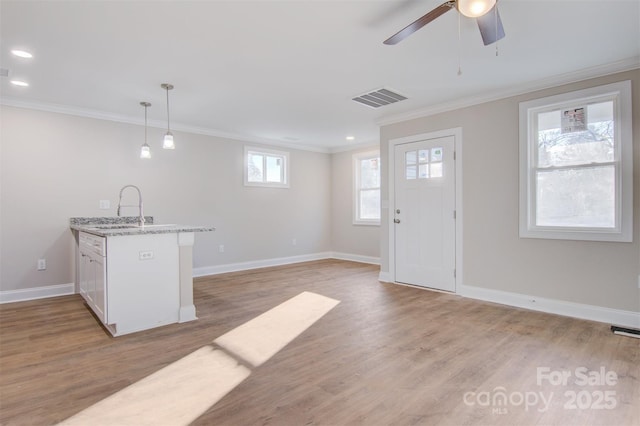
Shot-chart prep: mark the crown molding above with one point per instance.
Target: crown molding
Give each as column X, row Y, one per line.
column 558, row 80
column 363, row 145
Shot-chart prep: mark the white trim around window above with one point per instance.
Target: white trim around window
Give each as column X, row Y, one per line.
column 266, row 167
column 366, row 187
column 576, row 165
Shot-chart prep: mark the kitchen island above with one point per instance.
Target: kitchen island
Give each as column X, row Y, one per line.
column 135, row 277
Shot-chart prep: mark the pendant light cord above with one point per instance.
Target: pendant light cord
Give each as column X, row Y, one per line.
column 168, row 118
column 145, row 124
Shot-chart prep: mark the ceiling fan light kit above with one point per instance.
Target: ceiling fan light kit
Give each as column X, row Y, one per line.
column 475, row 8
column 484, row 11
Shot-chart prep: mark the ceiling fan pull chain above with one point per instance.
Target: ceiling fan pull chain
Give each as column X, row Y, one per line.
column 459, row 48
column 495, row 13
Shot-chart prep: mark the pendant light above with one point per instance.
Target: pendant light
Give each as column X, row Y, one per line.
column 145, row 151
column 167, row 143
column 475, row 8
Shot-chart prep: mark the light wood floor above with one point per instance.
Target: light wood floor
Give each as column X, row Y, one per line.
column 386, row 355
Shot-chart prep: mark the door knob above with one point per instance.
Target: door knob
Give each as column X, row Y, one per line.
column 396, row 220
column 398, row 211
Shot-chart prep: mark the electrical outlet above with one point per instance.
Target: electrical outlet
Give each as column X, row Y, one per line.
column 42, row 264
column 105, row 204
column 294, row 242
column 221, row 248
column 146, row 255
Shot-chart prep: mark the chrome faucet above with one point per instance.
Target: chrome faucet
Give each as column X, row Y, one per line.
column 120, row 205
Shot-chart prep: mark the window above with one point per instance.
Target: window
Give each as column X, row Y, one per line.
column 576, row 165
column 366, row 171
column 423, row 163
column 265, row 167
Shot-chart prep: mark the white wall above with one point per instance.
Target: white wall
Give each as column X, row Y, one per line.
column 57, row 166
column 585, row 272
column 346, row 237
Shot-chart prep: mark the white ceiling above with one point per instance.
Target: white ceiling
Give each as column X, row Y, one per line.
column 284, row 72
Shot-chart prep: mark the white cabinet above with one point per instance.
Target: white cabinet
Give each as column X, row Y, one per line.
column 131, row 282
column 93, row 271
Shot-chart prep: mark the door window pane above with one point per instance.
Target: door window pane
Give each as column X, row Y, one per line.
column 410, row 157
column 436, row 170
column 423, row 172
column 436, row 154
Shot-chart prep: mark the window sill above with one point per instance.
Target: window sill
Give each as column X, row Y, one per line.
column 366, row 223
column 578, row 235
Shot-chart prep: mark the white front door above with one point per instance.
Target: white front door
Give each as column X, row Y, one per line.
column 424, row 213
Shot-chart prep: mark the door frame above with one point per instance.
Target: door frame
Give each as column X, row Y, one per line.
column 457, row 135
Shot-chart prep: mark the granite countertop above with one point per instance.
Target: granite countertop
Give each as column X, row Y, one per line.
column 119, row 226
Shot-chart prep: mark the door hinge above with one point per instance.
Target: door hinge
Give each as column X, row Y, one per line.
column 454, row 214
column 454, row 273
column 454, row 156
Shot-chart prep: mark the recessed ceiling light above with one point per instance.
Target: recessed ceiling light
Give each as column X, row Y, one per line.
column 350, row 138
column 20, row 83
column 22, row 54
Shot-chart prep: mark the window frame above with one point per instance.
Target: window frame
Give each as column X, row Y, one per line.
column 357, row 158
column 266, row 152
column 620, row 94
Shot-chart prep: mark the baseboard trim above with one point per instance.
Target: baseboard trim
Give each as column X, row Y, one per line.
column 256, row 264
column 356, row 258
column 385, row 277
column 9, row 296
column 553, row 306
column 279, row 261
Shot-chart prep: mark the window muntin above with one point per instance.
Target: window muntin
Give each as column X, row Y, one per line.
column 366, row 168
column 423, row 164
column 265, row 167
column 575, row 179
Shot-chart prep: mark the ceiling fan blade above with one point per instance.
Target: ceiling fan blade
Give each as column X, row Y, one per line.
column 421, row 22
column 490, row 26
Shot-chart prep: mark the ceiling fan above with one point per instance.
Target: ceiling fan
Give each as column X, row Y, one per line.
column 485, row 12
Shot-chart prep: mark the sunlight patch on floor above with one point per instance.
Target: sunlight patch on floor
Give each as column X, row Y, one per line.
column 182, row 391
column 262, row 337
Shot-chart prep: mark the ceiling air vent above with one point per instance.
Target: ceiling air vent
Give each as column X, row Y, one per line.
column 378, row 98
